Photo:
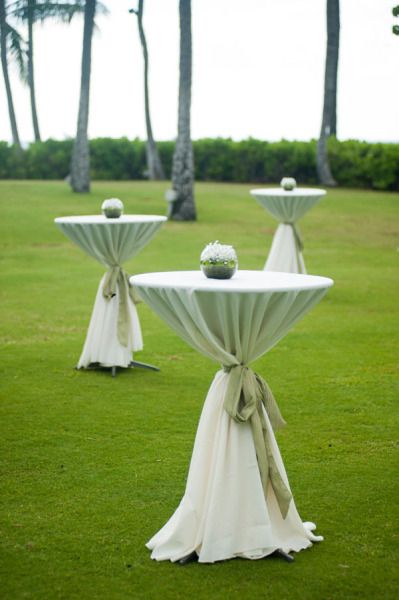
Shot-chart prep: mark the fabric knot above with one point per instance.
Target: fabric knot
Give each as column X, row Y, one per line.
column 247, row 396
column 227, row 368
column 117, row 279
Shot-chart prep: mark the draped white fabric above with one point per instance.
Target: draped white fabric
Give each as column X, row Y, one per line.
column 284, row 254
column 287, row 207
column 223, row 512
column 102, row 344
column 111, row 242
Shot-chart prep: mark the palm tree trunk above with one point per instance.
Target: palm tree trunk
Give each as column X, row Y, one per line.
column 4, row 64
column 329, row 120
column 154, row 165
column 80, row 165
column 31, row 77
column 183, row 209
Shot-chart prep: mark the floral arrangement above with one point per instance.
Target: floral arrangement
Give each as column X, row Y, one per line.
column 288, row 184
column 112, row 208
column 218, row 261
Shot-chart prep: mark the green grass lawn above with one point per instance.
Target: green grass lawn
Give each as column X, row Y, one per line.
column 92, row 467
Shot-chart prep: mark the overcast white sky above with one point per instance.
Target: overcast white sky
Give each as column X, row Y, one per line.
column 258, row 69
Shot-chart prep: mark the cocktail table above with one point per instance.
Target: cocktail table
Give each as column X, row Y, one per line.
column 287, row 207
column 114, row 331
column 237, row 502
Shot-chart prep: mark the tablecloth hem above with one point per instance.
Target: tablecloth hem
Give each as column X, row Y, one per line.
column 256, row 554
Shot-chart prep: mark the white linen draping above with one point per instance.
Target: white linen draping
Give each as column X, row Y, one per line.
column 287, row 207
column 223, row 512
column 111, row 242
column 102, row 344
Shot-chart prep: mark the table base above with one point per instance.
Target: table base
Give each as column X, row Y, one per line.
column 136, row 363
column 193, row 557
column 131, row 365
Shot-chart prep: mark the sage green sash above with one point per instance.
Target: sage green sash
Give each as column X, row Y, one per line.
column 298, row 240
column 246, row 395
column 297, row 235
column 117, row 278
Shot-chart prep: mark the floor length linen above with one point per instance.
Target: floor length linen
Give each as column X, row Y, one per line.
column 223, row 512
column 102, row 344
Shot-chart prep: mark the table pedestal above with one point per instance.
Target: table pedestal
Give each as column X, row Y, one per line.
column 102, row 346
column 285, row 254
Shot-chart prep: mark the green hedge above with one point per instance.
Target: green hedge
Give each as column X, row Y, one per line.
column 353, row 163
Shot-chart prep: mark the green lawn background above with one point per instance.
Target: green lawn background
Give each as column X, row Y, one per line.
column 92, row 467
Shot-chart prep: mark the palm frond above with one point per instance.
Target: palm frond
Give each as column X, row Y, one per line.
column 60, row 11
column 17, row 49
column 18, row 9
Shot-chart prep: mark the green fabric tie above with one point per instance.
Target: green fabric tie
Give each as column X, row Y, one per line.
column 246, row 393
column 297, row 235
column 298, row 242
column 117, row 278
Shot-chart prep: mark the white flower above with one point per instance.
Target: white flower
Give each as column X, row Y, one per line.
column 112, row 204
column 288, row 183
column 218, row 253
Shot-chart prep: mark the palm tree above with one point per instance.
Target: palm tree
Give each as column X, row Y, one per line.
column 329, row 120
column 30, row 12
column 154, row 165
column 80, row 164
column 10, row 40
column 183, row 208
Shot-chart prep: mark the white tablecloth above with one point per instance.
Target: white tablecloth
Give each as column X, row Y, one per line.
column 287, row 207
column 111, row 242
column 223, row 513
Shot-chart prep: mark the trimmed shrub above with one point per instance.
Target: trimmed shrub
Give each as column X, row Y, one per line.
column 353, row 163
column 12, row 162
column 166, row 150
column 48, row 160
column 117, row 159
column 214, row 160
